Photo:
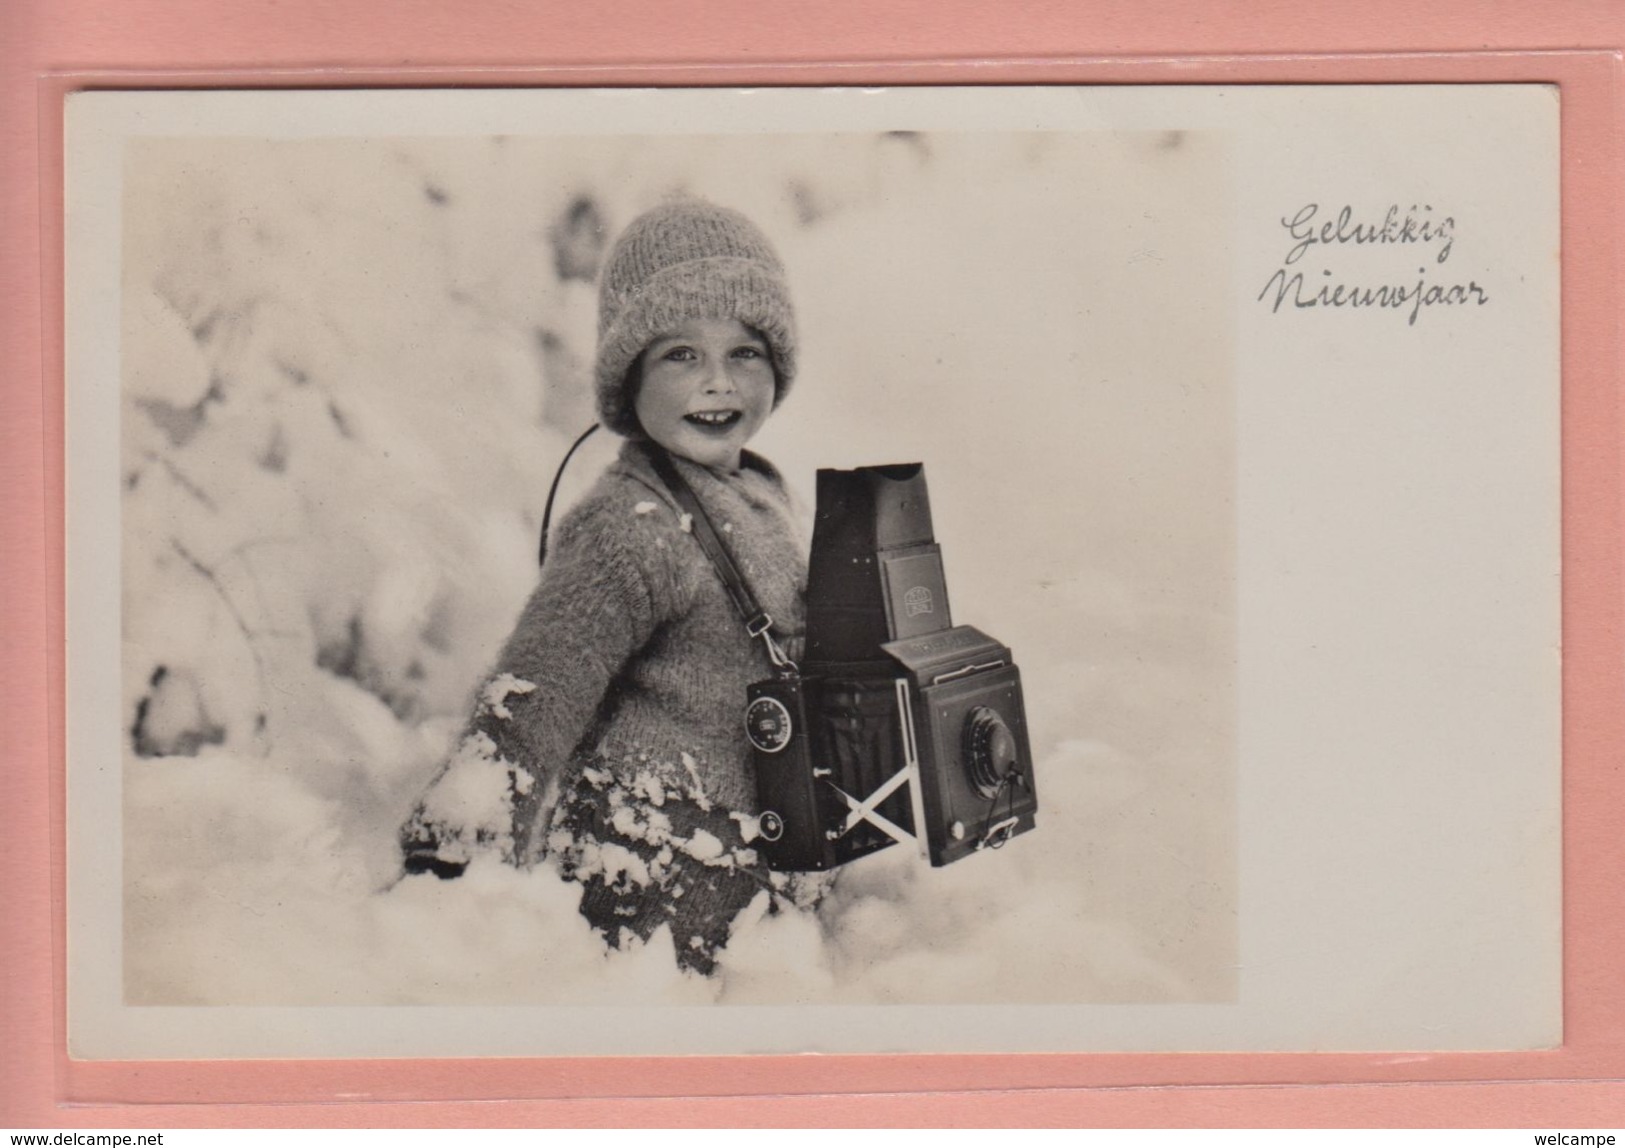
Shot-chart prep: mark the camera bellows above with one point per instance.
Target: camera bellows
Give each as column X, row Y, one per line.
column 900, row 725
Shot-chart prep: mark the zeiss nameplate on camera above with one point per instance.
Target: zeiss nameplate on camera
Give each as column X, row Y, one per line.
column 899, row 726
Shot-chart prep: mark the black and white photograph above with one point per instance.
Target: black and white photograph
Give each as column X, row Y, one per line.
column 799, row 571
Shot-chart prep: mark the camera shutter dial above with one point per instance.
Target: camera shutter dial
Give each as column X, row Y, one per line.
column 990, row 750
column 768, row 725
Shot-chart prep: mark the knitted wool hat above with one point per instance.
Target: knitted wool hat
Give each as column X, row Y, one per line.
column 686, row 259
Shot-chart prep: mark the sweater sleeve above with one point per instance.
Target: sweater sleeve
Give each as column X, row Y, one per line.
column 592, row 610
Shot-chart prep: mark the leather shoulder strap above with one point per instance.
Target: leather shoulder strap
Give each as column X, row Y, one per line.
column 705, row 534
column 758, row 622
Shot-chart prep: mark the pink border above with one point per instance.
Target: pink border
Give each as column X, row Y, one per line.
column 194, row 41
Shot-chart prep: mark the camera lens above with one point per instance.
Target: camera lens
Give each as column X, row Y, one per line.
column 990, row 750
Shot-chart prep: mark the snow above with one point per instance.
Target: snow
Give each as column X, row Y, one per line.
column 350, row 371
column 703, row 846
column 749, row 827
column 696, row 786
column 474, row 791
column 494, row 696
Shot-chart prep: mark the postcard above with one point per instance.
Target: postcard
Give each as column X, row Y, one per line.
column 1059, row 569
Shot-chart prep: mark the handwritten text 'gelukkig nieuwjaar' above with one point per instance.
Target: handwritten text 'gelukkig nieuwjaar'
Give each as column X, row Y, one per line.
column 1413, row 230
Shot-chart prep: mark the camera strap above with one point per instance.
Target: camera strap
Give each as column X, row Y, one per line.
column 758, row 622
column 552, row 492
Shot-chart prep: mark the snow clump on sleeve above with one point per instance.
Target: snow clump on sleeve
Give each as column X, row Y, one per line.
column 494, row 697
column 475, row 794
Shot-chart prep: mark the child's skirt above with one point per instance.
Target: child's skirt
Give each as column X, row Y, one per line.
column 648, row 858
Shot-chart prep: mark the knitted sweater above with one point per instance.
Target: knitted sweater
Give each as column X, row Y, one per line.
column 628, row 663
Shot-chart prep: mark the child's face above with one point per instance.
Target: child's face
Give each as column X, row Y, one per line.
column 706, row 389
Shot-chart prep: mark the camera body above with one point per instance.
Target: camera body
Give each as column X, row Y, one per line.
column 898, row 725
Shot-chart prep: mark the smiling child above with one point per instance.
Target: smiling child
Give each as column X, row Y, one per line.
column 609, row 737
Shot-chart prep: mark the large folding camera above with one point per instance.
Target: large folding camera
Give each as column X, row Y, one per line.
column 898, row 725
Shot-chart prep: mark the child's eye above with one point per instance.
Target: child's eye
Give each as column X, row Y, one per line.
column 679, row 355
column 748, row 351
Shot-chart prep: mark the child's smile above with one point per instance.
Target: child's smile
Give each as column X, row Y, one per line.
column 713, row 419
column 705, row 389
